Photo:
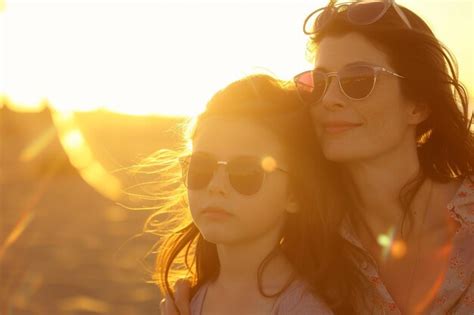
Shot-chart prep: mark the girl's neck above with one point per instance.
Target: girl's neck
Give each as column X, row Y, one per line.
column 239, row 267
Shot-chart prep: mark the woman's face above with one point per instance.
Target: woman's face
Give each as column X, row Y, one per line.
column 360, row 130
column 221, row 213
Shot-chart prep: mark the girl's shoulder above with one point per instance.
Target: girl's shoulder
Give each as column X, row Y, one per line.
column 197, row 300
column 299, row 300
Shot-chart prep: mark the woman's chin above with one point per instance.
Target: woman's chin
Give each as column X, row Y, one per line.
column 340, row 155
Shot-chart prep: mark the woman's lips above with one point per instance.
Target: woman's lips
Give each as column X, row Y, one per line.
column 338, row 127
column 216, row 213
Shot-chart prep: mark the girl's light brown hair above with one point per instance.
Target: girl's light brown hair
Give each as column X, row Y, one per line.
column 307, row 243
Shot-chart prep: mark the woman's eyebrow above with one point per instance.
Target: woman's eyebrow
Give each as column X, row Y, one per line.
column 357, row 63
column 354, row 63
column 321, row 69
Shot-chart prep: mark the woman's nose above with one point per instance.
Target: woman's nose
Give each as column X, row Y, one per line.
column 333, row 99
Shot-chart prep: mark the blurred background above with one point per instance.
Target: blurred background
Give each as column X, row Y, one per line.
column 88, row 88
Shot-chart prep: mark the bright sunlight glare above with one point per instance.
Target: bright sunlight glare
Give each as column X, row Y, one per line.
column 144, row 57
column 168, row 57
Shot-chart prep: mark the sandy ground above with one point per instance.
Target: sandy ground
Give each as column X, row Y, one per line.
column 78, row 252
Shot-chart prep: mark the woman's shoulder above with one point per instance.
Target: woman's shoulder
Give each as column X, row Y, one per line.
column 298, row 299
column 462, row 203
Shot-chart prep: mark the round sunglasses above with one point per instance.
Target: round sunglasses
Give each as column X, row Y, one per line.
column 356, row 82
column 245, row 174
column 363, row 12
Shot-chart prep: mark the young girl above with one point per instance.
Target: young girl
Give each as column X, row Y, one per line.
column 249, row 183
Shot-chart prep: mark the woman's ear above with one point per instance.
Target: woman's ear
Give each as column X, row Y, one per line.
column 292, row 205
column 418, row 112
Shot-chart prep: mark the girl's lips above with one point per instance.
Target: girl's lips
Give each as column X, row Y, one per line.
column 216, row 213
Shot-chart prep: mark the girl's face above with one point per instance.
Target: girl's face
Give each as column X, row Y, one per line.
column 221, row 213
column 357, row 130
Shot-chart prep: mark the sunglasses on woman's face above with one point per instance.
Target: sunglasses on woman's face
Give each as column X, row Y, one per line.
column 245, row 174
column 355, row 82
column 362, row 12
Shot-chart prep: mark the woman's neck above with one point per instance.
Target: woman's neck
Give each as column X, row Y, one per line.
column 377, row 184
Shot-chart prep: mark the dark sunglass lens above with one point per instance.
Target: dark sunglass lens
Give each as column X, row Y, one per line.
column 246, row 175
column 366, row 12
column 200, row 172
column 317, row 19
column 311, row 86
column 358, row 81
column 323, row 19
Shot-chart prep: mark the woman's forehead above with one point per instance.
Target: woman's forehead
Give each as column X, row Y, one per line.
column 334, row 53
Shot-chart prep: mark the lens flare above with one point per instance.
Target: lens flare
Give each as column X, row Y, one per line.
column 269, row 164
column 39, row 144
column 73, row 139
column 386, row 241
column 398, row 249
column 83, row 159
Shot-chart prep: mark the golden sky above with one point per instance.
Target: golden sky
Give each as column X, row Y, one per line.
column 169, row 57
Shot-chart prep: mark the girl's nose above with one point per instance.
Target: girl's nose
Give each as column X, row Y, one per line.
column 219, row 183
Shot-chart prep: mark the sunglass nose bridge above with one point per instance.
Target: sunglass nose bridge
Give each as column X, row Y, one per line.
column 332, row 82
column 330, row 77
column 219, row 179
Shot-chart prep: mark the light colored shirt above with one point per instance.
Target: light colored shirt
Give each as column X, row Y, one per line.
column 295, row 300
column 456, row 293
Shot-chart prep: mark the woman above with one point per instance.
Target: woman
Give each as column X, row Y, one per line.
column 389, row 110
column 392, row 116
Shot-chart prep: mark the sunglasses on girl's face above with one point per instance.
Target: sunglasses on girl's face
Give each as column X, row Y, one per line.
column 361, row 12
column 355, row 82
column 245, row 174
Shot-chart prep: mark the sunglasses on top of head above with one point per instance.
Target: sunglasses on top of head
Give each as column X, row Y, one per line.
column 362, row 12
column 356, row 82
column 245, row 174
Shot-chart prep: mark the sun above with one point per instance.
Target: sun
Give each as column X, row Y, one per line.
column 162, row 57
column 152, row 57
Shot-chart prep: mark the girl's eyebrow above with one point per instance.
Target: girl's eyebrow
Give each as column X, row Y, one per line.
column 205, row 153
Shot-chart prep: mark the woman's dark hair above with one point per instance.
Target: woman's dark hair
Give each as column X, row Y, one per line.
column 445, row 139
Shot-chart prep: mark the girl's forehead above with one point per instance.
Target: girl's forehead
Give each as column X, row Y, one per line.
column 334, row 52
column 227, row 138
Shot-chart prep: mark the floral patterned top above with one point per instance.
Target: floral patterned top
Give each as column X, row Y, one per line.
column 456, row 293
